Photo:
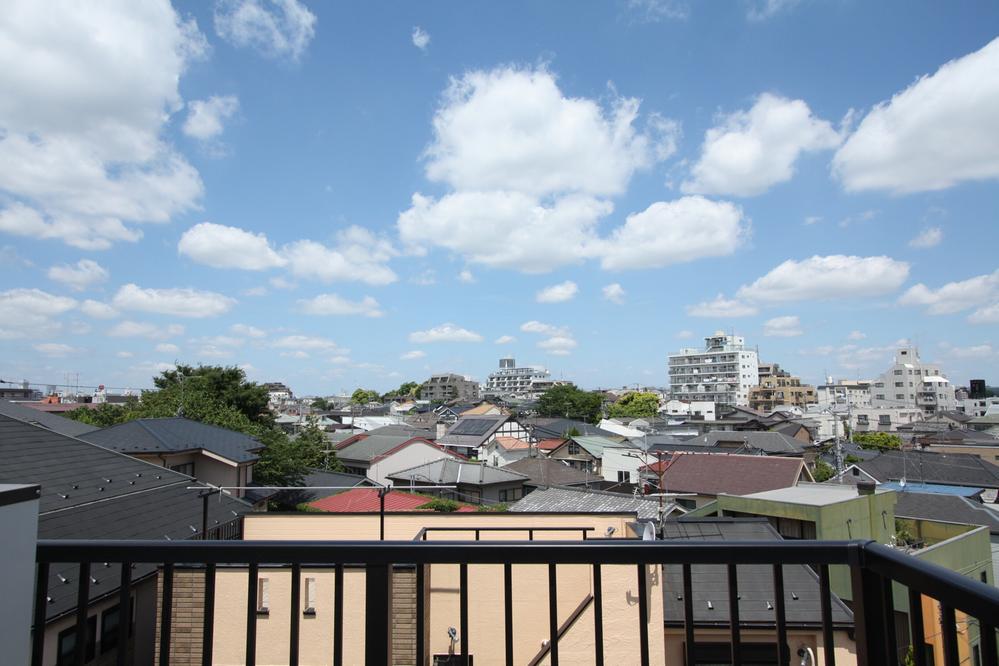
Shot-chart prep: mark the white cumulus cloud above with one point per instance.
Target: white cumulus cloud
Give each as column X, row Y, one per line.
column 954, row 296
column 167, row 348
column 247, row 331
column 206, row 117
column 444, row 333
column 788, row 326
column 421, row 38
column 275, row 28
column 988, row 314
column 332, row 304
column 614, row 293
column 25, row 312
column 413, row 355
column 748, row 152
column 79, row 276
column 55, row 349
column 141, row 329
column 221, row 246
column 359, row 255
column 941, row 130
column 557, row 340
column 829, row 277
column 307, row 342
column 505, row 340
column 722, row 308
column 98, row 310
column 557, row 293
column 175, row 302
column 930, row 237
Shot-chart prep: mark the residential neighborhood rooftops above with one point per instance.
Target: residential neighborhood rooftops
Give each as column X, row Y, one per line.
column 958, row 469
column 947, row 508
column 732, row 474
column 812, row 494
column 931, row 488
column 363, row 500
column 176, row 435
column 576, row 500
column 454, row 472
column 53, row 422
column 543, row 471
column 766, row 441
column 368, row 447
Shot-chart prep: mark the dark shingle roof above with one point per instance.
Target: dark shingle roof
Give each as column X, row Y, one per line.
column 577, row 500
column 95, row 493
column 947, row 508
column 53, row 422
column 175, row 435
column 547, row 472
column 768, row 442
column 756, row 588
column 958, row 469
column 717, row 473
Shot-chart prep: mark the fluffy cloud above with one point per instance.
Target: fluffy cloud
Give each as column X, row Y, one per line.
column 930, row 237
column 557, row 293
column 413, row 355
column 941, row 130
column 614, row 293
column 721, row 308
column 505, row 340
column 247, row 331
column 466, row 276
column 444, row 333
column 670, row 232
column 81, row 154
column 834, row 276
column 653, row 11
column 332, row 304
column 856, row 335
column 421, row 38
column 761, row 10
column 98, row 310
column 782, row 327
column 988, row 314
column 310, row 343
column 359, row 255
column 558, row 340
column 972, row 351
column 220, row 246
column 954, row 296
column 167, row 348
column 85, row 273
column 275, row 28
column 139, row 329
column 535, row 237
column 26, row 312
column 748, row 152
column 175, row 302
column 206, row 118
column 55, row 349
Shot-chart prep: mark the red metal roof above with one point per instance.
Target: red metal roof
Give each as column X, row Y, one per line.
column 362, row 500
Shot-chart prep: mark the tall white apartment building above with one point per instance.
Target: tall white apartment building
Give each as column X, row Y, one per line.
column 910, row 383
column 722, row 372
column 511, row 380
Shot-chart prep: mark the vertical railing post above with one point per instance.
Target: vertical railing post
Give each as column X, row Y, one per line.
column 208, row 620
column 988, row 643
column 780, row 606
column 378, row 614
column 296, row 613
column 251, row 614
column 688, row 615
column 868, row 613
column 82, row 603
column 338, row 616
column 124, row 611
column 421, row 615
column 41, row 610
column 643, row 615
column 508, row 612
column 598, row 616
column 917, row 631
column 949, row 633
column 463, row 611
column 733, row 615
column 825, row 600
column 552, row 614
column 891, row 643
column 166, row 614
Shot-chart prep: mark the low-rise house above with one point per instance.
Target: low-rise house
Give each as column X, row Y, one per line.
column 210, row 454
column 91, row 492
column 766, row 443
column 757, row 610
column 368, row 500
column 586, row 452
column 544, row 473
column 474, row 482
column 502, row 451
column 379, row 454
column 955, row 469
column 469, row 435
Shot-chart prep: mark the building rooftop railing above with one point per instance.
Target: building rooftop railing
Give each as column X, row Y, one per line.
column 873, row 571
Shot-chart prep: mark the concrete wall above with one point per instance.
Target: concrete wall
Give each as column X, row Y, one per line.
column 623, row 460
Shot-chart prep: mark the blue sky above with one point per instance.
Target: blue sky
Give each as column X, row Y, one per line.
column 339, row 195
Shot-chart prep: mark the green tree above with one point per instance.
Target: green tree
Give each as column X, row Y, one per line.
column 568, row 402
column 282, row 461
column 320, row 404
column 228, row 385
column 880, row 441
column 316, row 448
column 823, row 471
column 441, row 504
column 364, row 396
column 851, row 459
column 405, row 390
column 634, row 405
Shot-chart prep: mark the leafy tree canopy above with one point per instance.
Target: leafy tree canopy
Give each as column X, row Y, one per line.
column 364, row 396
column 881, row 441
column 316, row 448
column 635, row 405
column 321, row 404
column 568, row 402
column 823, row 471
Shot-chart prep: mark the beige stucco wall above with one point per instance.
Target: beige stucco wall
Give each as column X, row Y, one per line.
column 846, row 649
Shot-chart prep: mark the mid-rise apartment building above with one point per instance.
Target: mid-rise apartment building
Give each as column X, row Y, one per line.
column 911, row 383
column 521, row 382
column 446, row 387
column 779, row 388
column 723, row 371
column 844, row 393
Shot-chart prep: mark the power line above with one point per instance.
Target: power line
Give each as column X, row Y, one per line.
column 76, row 386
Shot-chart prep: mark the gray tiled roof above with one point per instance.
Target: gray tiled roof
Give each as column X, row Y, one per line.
column 768, row 442
column 947, row 508
column 53, row 422
column 547, row 472
column 370, row 446
column 90, row 492
column 176, row 434
column 756, row 588
column 453, row 472
column 576, row 500
column 958, row 469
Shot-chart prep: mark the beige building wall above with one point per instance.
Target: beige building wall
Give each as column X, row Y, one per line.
column 846, row 649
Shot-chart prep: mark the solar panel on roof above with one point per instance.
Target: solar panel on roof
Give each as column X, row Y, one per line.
column 472, row 427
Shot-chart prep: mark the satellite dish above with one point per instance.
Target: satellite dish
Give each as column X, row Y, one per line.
column 901, row 482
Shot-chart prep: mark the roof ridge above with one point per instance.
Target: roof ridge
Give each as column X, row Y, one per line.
column 154, row 435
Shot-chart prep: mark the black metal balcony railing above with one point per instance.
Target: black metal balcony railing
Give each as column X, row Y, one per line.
column 874, row 568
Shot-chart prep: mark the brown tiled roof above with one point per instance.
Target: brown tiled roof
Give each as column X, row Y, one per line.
column 731, row 474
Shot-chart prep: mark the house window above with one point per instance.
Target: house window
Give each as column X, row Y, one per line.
column 263, row 596
column 574, row 449
column 862, row 419
column 884, row 419
column 184, row 468
column 67, row 643
column 310, row 596
column 623, row 476
column 109, row 629
column 511, row 495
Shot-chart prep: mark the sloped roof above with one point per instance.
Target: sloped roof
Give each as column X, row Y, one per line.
column 731, row 474
column 473, row 431
column 369, row 447
column 53, row 422
column 453, row 472
column 595, row 444
column 175, row 435
column 947, row 508
column 802, row 601
column 543, row 471
column 363, row 500
column 550, row 444
column 957, row 469
column 90, row 492
column 766, row 441
column 557, row 428
column 577, row 500
column 512, row 443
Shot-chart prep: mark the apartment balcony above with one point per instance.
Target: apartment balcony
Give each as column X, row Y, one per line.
column 359, row 626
